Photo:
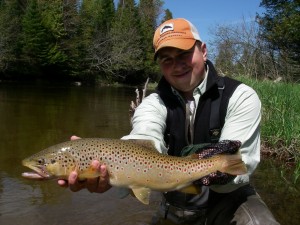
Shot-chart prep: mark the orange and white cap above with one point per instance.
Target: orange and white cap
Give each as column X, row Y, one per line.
column 177, row 33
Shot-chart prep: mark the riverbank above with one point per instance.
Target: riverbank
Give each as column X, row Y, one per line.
column 280, row 125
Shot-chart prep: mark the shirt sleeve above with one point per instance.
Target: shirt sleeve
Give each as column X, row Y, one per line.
column 242, row 122
column 149, row 122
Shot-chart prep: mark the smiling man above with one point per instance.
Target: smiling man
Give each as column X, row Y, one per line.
column 193, row 105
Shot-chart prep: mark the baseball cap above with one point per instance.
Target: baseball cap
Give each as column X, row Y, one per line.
column 178, row 33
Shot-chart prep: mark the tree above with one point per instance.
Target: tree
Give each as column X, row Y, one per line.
column 81, row 38
column 168, row 15
column 35, row 38
column 149, row 11
column 52, row 19
column 280, row 27
column 10, row 32
column 96, row 18
column 239, row 50
column 126, row 39
column 108, row 15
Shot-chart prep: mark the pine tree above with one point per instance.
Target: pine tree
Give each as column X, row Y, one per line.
column 149, row 12
column 126, row 38
column 168, row 15
column 10, row 32
column 280, row 28
column 108, row 15
column 52, row 19
column 35, row 36
column 96, row 17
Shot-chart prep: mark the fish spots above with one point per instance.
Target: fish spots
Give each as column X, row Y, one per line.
column 126, row 160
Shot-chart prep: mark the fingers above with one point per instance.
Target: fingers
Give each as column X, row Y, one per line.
column 74, row 183
column 92, row 184
column 63, row 183
column 74, row 137
column 99, row 184
column 103, row 180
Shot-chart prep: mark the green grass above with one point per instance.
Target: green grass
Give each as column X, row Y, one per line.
column 280, row 126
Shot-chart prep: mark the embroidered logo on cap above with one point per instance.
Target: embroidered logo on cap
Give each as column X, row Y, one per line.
column 166, row 27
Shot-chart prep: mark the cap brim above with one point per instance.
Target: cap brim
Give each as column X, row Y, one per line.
column 183, row 44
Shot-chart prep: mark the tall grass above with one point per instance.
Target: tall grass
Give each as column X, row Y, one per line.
column 280, row 126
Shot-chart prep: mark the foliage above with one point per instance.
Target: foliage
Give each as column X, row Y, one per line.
column 281, row 114
column 265, row 48
column 89, row 39
column 168, row 15
column 93, row 39
column 149, row 11
column 10, row 27
column 280, row 125
column 126, row 39
column 35, row 39
column 280, row 27
column 237, row 49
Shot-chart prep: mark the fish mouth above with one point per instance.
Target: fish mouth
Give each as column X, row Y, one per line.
column 39, row 172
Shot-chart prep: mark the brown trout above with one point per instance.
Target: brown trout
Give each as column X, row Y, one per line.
column 132, row 164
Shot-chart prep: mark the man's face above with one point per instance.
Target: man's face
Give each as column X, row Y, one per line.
column 183, row 69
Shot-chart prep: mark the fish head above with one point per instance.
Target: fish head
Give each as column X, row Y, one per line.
column 48, row 165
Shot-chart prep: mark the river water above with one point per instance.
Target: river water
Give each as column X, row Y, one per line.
column 33, row 117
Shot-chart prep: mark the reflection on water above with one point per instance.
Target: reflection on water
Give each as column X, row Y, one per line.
column 45, row 203
column 281, row 196
column 35, row 117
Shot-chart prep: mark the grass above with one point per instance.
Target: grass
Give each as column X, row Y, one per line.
column 280, row 126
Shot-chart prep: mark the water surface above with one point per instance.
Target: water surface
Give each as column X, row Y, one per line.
column 33, row 117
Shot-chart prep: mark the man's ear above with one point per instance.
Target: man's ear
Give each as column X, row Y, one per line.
column 204, row 51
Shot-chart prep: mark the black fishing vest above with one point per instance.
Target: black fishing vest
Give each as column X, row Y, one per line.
column 208, row 123
column 209, row 120
column 210, row 113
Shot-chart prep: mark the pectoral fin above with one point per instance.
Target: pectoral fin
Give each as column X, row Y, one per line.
column 142, row 194
column 191, row 189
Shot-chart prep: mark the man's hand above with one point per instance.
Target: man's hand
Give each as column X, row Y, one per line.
column 99, row 184
column 217, row 178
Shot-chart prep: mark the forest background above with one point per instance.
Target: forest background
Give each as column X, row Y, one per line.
column 98, row 42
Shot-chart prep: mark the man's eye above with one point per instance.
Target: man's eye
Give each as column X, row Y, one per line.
column 166, row 61
column 185, row 55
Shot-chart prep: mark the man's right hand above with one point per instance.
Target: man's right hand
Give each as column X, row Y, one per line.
column 98, row 185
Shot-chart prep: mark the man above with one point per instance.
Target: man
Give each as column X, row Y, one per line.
column 179, row 114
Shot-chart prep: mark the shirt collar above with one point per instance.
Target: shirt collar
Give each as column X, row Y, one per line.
column 198, row 90
column 202, row 86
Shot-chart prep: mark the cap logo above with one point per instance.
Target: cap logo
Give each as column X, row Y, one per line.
column 166, row 27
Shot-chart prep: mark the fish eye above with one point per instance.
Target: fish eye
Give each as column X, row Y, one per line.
column 53, row 161
column 41, row 161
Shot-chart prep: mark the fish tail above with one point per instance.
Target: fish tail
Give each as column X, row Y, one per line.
column 232, row 164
